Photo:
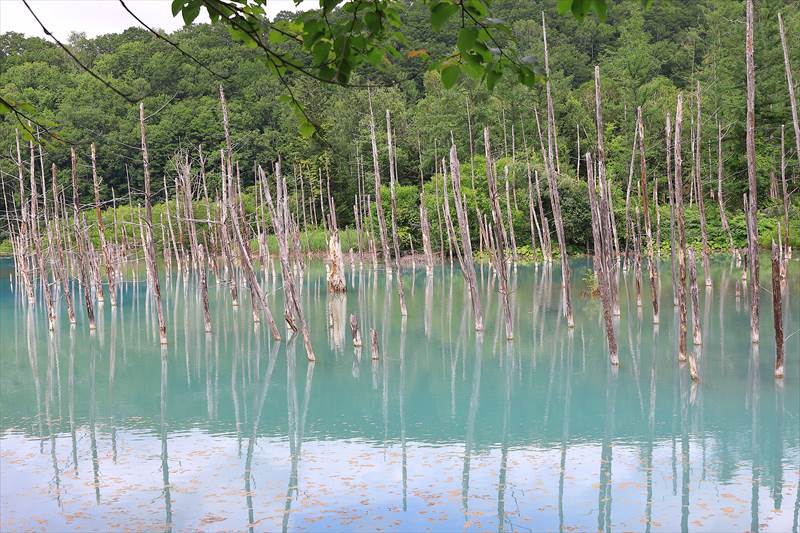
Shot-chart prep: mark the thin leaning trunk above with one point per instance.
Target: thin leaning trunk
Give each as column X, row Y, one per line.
column 777, row 310
column 723, row 217
column 149, row 252
column 393, row 193
column 699, row 186
column 789, row 82
column 468, row 262
column 498, row 251
column 376, row 167
column 651, row 266
column 695, row 315
column 678, row 189
column 600, row 263
column 750, row 142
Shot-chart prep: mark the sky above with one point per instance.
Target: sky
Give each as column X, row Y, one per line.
column 97, row 17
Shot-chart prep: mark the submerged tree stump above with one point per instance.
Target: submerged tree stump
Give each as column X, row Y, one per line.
column 354, row 331
column 374, row 344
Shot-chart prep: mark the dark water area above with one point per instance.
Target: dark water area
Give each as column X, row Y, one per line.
column 448, row 430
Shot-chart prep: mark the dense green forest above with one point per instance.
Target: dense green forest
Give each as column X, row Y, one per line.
column 646, row 56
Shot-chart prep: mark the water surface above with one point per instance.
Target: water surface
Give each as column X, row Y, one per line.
column 447, row 430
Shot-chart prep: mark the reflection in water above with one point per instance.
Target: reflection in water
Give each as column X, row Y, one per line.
column 524, row 423
column 251, row 442
column 164, row 450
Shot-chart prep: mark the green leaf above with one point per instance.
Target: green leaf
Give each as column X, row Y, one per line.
column 492, row 77
column 440, row 13
column 466, row 39
column 321, row 51
column 375, row 57
column 276, row 37
column 177, row 5
column 190, row 12
column 373, row 21
column 307, row 129
column 450, row 75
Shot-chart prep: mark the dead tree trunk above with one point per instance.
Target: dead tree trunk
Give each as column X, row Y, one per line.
column 671, row 192
column 281, row 223
column 376, row 169
column 698, row 339
column 555, row 201
column 256, row 294
column 785, row 194
column 150, row 253
column 354, row 331
column 374, row 344
column 678, row 188
column 82, row 241
column 651, row 261
column 203, row 273
column 697, row 335
column 107, row 256
column 606, row 209
column 777, row 311
column 790, row 83
column 534, row 222
column 601, row 263
column 750, row 141
column 723, row 217
column 61, row 266
column 699, row 186
column 468, row 262
column 393, row 193
column 498, row 251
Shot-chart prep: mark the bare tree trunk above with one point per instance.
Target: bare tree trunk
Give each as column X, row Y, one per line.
column 281, row 223
column 651, row 262
column 374, row 344
column 201, row 266
column 777, row 311
column 534, row 222
column 785, row 192
column 59, row 250
column 24, row 260
column 393, row 193
column 678, row 189
column 606, row 209
column 468, row 262
column 150, row 254
column 555, row 201
column 499, row 253
column 112, row 292
column 723, row 217
column 601, row 263
column 82, row 240
column 547, row 243
column 354, row 331
column 698, row 340
column 256, row 294
column 336, row 282
column 752, row 234
column 511, row 235
column 697, row 335
column 671, row 192
column 789, row 82
column 699, row 185
column 376, row 168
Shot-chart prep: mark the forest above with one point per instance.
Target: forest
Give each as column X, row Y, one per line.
column 646, row 57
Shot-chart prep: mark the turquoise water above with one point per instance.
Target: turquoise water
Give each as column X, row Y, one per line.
column 446, row 431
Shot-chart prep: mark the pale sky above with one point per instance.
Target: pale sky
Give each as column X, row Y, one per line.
column 97, row 17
